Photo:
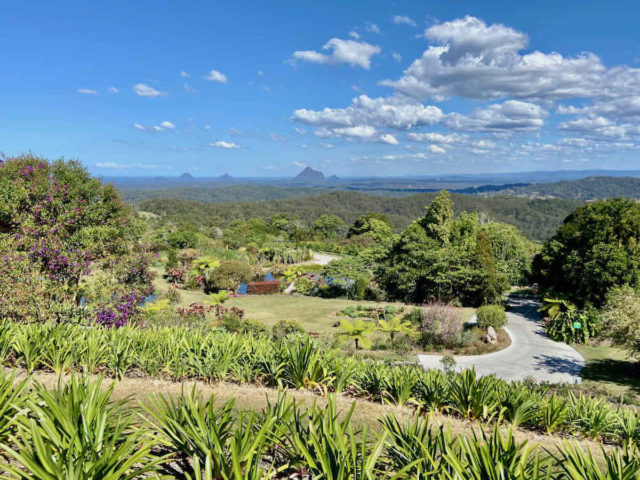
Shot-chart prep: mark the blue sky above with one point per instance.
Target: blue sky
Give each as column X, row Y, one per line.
column 351, row 88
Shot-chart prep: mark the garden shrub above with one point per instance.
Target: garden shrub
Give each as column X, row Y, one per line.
column 229, row 275
column 232, row 323
column 173, row 295
column 285, row 327
column 172, row 260
column 303, row 285
column 361, row 288
column 264, row 288
column 442, row 327
column 491, row 316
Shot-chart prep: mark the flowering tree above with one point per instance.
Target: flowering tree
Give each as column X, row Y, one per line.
column 57, row 224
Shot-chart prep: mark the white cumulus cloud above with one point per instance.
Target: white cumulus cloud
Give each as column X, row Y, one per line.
column 351, row 52
column 87, row 91
column 510, row 116
column 472, row 59
column 144, row 90
column 216, row 76
column 395, row 112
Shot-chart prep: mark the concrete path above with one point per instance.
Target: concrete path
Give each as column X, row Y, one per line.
column 322, row 258
column 531, row 353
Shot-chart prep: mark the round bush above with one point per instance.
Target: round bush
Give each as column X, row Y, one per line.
column 491, row 316
column 284, row 328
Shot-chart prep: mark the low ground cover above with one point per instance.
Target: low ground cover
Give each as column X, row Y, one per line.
column 180, row 354
column 193, row 434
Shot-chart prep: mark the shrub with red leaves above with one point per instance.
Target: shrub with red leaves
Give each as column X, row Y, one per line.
column 263, row 288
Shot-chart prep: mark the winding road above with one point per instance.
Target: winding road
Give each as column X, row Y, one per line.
column 531, row 353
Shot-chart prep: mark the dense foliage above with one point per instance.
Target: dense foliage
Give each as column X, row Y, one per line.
column 621, row 319
column 443, row 258
column 57, row 226
column 590, row 188
column 491, row 316
column 536, row 218
column 596, row 249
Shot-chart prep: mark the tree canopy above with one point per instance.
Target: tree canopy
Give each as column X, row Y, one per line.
column 595, row 249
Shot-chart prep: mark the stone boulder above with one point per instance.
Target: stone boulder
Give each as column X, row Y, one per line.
column 492, row 336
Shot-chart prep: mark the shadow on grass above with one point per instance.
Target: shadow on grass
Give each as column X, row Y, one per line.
column 620, row 372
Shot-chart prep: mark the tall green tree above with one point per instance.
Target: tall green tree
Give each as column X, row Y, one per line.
column 328, row 225
column 597, row 248
column 436, row 258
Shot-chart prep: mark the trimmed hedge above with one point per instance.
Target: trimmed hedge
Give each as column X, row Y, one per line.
column 263, row 288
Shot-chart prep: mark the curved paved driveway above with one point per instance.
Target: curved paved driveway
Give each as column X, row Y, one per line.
column 531, row 353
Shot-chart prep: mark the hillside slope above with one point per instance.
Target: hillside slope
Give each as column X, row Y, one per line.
column 537, row 218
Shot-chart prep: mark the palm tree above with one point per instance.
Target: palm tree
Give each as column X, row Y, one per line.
column 357, row 331
column 395, row 325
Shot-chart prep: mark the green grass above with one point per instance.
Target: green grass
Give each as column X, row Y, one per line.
column 609, row 370
column 318, row 315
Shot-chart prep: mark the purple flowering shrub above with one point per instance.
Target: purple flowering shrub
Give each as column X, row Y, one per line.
column 28, row 296
column 57, row 225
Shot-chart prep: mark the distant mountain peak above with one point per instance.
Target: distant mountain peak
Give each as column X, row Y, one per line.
column 309, row 175
column 186, row 176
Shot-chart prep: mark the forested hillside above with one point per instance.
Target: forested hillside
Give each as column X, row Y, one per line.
column 537, row 218
column 590, row 188
column 222, row 193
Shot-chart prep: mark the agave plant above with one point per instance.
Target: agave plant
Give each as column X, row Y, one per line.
column 399, row 384
column 521, row 406
column 75, row 432
column 591, row 416
column 58, row 351
column 28, row 346
column 372, row 378
column 431, row 390
column 303, row 365
column 628, row 426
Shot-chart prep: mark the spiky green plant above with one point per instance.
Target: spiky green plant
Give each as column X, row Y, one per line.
column 324, row 447
column 495, row 457
column 399, row 384
column 13, row 396
column 474, row 397
column 555, row 412
column 576, row 464
column 431, row 390
column 194, row 428
column 414, row 448
column 74, row 432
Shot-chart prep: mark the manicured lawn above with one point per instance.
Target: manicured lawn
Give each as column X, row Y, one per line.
column 609, row 370
column 317, row 315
